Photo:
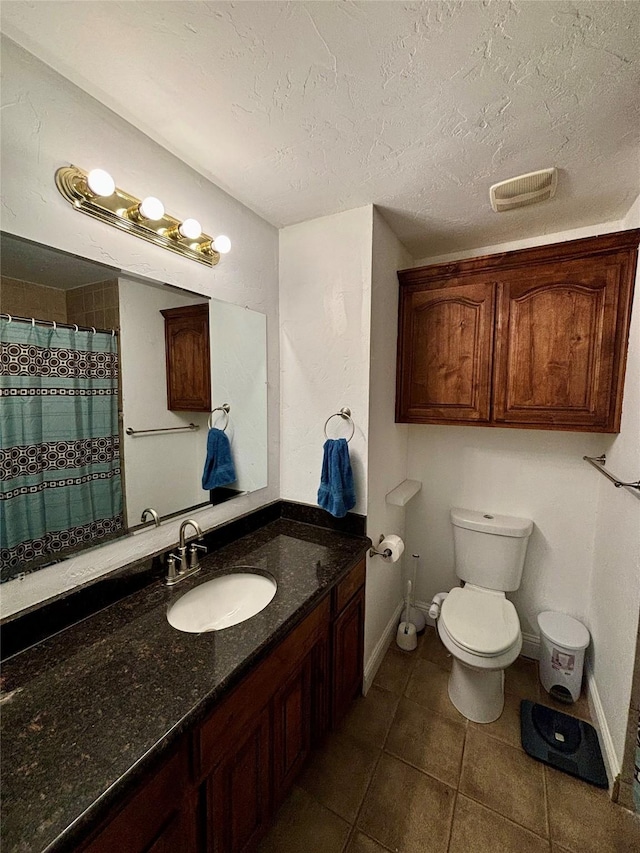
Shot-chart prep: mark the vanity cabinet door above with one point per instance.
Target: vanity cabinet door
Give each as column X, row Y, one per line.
column 348, row 651
column 188, row 358
column 239, row 791
column 444, row 353
column 292, row 725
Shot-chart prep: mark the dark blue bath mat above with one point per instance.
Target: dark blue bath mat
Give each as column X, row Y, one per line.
column 563, row 742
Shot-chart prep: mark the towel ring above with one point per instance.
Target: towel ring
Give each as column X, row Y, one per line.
column 225, row 407
column 345, row 414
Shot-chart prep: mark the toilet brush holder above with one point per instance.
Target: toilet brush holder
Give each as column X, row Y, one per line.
column 406, row 638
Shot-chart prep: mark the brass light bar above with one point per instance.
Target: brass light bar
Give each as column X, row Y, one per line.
column 121, row 210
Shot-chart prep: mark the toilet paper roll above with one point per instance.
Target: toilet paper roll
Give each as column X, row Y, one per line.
column 395, row 545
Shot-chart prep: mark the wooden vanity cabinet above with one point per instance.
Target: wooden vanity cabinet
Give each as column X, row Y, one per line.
column 535, row 338
column 188, row 358
column 219, row 790
column 159, row 818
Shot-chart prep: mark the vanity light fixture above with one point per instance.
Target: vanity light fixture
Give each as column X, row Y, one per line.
column 95, row 193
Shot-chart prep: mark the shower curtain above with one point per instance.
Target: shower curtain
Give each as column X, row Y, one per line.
column 60, row 483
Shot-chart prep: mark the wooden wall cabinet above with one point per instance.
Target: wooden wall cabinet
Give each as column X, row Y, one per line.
column 535, row 338
column 188, row 358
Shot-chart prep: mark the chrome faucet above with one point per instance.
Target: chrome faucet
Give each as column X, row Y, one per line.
column 187, row 563
column 152, row 513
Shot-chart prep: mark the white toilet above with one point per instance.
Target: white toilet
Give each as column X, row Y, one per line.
column 477, row 623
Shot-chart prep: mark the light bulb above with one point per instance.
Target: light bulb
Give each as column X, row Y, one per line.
column 100, row 183
column 190, row 229
column 222, row 244
column 151, row 208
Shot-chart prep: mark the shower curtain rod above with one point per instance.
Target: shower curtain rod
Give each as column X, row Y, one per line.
column 55, row 324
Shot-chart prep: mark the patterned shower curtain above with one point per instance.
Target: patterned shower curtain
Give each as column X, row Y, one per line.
column 60, row 481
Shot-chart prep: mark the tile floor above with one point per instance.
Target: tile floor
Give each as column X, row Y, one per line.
column 407, row 773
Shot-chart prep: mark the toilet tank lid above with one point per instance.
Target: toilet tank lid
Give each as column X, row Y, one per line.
column 488, row 522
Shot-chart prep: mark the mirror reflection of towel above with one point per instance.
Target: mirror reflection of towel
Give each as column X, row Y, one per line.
column 336, row 493
column 219, row 469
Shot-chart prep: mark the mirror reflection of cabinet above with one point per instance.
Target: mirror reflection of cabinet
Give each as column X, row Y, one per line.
column 188, row 359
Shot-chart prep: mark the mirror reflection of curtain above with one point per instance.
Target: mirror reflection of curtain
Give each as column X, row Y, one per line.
column 60, row 483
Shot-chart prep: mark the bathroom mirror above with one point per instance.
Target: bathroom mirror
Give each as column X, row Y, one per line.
column 161, row 458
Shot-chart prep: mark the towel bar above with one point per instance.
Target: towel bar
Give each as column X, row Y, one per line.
column 599, row 462
column 190, row 427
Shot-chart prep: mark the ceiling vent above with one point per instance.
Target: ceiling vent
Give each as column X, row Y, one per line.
column 523, row 190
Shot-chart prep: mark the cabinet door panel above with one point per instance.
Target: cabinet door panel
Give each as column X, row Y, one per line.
column 445, row 351
column 556, row 344
column 348, row 648
column 292, row 727
column 238, row 792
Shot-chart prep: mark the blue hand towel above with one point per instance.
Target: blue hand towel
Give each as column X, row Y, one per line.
column 336, row 493
column 219, row 469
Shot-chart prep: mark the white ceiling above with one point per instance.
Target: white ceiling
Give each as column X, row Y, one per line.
column 304, row 109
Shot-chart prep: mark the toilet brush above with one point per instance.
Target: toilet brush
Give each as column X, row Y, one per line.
column 406, row 637
column 410, row 612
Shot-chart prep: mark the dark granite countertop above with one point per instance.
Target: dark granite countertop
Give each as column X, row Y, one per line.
column 86, row 712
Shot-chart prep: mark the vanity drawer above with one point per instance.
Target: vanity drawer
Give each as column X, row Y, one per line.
column 347, row 588
column 218, row 735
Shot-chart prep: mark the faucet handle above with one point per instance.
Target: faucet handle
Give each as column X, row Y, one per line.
column 194, row 562
column 172, row 572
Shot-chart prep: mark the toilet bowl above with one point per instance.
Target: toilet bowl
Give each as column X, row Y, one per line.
column 481, row 630
column 476, row 622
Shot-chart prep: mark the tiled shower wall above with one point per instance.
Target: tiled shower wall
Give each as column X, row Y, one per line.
column 92, row 305
column 25, row 299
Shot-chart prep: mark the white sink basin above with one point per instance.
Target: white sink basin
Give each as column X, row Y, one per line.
column 222, row 602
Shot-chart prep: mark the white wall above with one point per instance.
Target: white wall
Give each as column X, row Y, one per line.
column 162, row 470
column 48, row 122
column 537, row 474
column 325, row 302
column 615, row 585
column 387, row 451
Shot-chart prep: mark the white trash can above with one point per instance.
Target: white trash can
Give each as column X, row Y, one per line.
column 563, row 642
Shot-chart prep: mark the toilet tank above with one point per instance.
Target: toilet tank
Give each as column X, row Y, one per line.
column 490, row 549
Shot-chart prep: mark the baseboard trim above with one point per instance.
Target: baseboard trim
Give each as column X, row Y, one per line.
column 373, row 664
column 611, row 763
column 530, row 646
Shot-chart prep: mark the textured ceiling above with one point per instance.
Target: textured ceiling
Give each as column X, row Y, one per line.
column 304, row 109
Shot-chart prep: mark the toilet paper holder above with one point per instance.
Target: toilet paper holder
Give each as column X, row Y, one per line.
column 373, row 552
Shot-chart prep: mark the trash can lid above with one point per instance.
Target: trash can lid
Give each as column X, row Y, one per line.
column 563, row 630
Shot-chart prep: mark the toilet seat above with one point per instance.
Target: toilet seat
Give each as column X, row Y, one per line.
column 480, row 622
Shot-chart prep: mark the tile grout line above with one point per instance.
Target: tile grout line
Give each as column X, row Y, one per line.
column 457, row 788
column 354, row 827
